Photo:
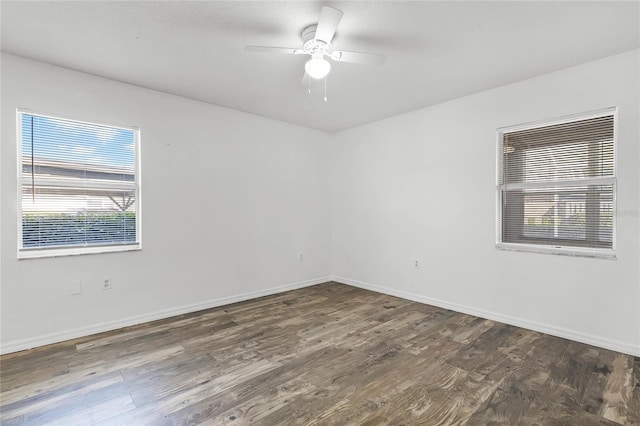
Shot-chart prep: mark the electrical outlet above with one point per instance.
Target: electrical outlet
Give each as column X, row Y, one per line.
column 76, row 288
column 416, row 263
column 106, row 283
column 301, row 257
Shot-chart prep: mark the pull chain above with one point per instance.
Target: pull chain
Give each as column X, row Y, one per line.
column 325, row 88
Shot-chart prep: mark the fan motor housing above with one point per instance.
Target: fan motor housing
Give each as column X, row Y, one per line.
column 310, row 44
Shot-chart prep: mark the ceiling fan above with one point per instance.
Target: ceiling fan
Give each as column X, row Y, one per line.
column 316, row 42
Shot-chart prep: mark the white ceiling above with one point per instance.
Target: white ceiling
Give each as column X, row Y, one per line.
column 436, row 50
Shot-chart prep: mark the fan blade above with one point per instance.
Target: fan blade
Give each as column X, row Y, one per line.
column 358, row 57
column 328, row 23
column 269, row 49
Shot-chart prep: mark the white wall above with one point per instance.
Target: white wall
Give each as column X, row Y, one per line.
column 262, row 198
column 362, row 205
column 422, row 186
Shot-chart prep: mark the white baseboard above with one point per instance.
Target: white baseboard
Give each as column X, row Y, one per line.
column 506, row 319
column 22, row 344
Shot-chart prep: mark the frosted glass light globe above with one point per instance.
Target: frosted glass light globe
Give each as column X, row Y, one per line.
column 317, row 67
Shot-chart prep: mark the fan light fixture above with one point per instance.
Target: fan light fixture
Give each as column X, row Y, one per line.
column 317, row 67
column 317, row 43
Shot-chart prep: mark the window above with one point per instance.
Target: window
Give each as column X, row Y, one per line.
column 78, row 187
column 556, row 186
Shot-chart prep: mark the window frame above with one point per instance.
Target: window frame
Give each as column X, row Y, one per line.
column 43, row 252
column 560, row 248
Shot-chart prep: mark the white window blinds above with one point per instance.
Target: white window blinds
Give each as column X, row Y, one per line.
column 79, row 187
column 557, row 185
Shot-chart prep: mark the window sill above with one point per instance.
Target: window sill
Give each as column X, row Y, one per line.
column 74, row 251
column 559, row 250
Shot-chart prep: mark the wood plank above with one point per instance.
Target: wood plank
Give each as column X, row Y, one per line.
column 329, row 354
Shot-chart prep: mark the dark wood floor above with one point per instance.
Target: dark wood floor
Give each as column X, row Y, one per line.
column 325, row 355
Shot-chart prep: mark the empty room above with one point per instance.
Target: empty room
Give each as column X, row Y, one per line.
column 320, row 213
